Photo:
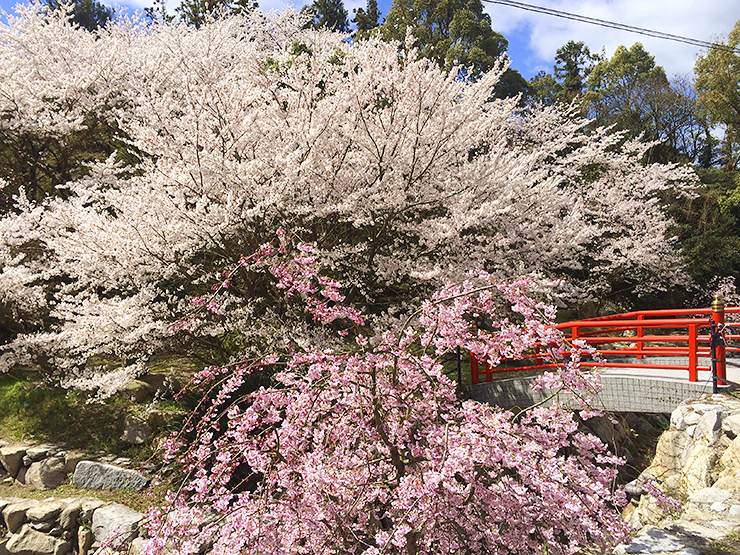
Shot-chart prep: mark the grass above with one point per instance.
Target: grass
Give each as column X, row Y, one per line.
column 137, row 500
column 34, row 411
column 729, row 545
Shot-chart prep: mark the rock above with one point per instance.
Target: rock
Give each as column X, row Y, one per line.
column 11, row 457
column 21, row 476
column 46, row 474
column 731, row 457
column 698, row 470
column 88, row 505
column 669, row 454
column 647, row 513
column 135, row 430
column 69, row 517
column 38, row 452
column 731, row 425
column 94, row 475
column 30, row 542
column 158, row 418
column 652, row 540
column 5, row 501
column 115, row 515
column 15, row 514
column 727, row 483
column 46, row 510
column 678, row 417
column 43, row 527
column 708, row 496
column 694, row 529
column 633, row 488
column 85, row 540
column 138, row 391
column 709, row 427
column 72, row 459
column 136, row 546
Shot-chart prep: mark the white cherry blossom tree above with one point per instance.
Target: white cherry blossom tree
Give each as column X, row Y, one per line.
column 401, row 175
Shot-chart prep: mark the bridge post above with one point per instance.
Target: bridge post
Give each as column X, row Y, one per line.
column 693, row 350
column 718, row 315
column 639, row 333
column 474, row 373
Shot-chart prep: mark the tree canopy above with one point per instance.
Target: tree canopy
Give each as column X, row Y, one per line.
column 89, row 14
column 718, row 87
column 327, row 14
column 452, row 33
column 367, row 19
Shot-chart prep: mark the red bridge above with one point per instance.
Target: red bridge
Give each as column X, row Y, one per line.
column 670, row 348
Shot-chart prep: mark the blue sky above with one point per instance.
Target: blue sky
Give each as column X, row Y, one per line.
column 534, row 38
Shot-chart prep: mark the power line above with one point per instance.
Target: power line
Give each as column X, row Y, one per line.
column 613, row 25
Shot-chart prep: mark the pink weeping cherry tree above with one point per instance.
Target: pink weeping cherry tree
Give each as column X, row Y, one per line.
column 367, row 449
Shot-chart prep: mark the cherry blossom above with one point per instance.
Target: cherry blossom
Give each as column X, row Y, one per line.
column 370, row 451
column 399, row 176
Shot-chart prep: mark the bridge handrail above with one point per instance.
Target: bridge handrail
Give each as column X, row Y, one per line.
column 599, row 333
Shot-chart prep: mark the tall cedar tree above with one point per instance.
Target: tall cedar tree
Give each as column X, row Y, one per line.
column 89, row 14
column 328, row 14
column 718, row 86
column 368, row 19
column 453, row 33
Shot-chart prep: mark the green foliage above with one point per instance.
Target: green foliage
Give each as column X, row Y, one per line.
column 618, row 85
column 31, row 409
column 630, row 92
column 718, row 86
column 707, row 226
column 327, row 14
column 544, row 88
column 453, row 33
column 367, row 19
column 89, row 14
column 573, row 65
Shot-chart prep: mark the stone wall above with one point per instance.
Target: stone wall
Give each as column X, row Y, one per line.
column 697, row 462
column 64, row 526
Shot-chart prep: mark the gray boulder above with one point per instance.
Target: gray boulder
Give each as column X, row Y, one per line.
column 11, row 457
column 46, row 474
column 15, row 514
column 115, row 517
column 94, row 475
column 30, row 542
column 44, row 511
column 135, row 430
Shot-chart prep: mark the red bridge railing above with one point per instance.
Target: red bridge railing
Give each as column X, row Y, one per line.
column 642, row 335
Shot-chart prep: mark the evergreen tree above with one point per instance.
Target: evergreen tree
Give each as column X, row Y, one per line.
column 718, row 86
column 453, row 33
column 573, row 64
column 327, row 14
column 368, row 19
column 89, row 14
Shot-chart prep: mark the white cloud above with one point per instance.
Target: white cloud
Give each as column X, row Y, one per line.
column 706, row 20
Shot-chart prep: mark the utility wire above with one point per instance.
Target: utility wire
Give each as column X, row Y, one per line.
column 613, row 25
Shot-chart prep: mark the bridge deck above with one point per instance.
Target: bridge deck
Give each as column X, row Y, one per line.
column 642, row 389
